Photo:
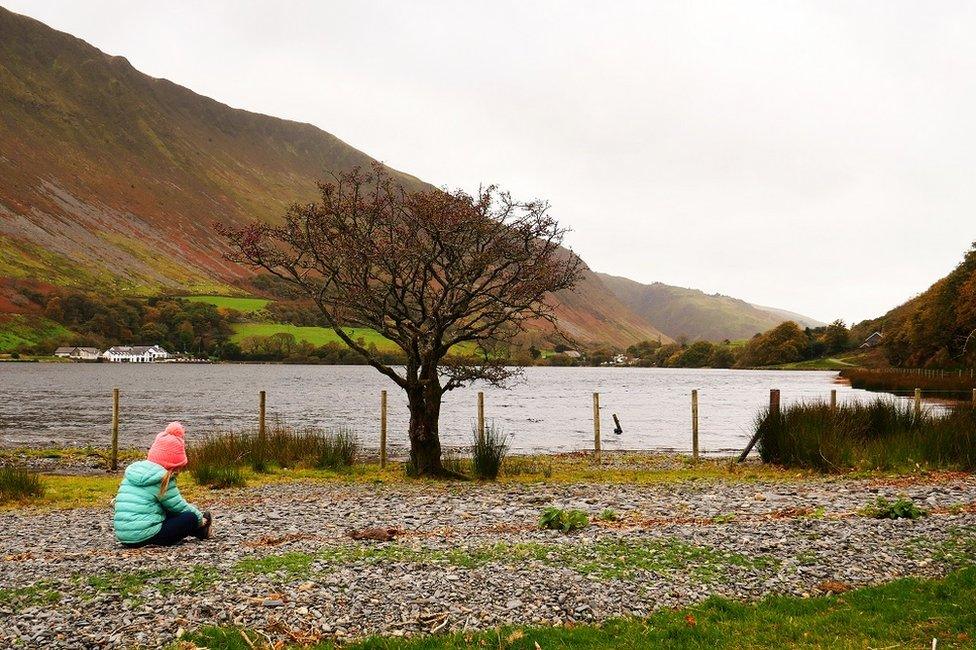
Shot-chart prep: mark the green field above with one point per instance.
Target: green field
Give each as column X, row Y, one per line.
column 17, row 330
column 315, row 335
column 243, row 305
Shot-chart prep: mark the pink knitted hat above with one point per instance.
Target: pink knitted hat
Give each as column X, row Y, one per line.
column 168, row 449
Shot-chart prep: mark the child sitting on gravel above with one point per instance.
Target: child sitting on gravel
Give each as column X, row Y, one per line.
column 149, row 508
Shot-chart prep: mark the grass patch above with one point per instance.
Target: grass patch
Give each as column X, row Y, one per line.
column 163, row 581
column 243, row 305
column 17, row 484
column 38, row 594
column 883, row 434
column 905, row 613
column 293, row 564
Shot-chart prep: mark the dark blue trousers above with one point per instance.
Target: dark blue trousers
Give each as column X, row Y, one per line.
column 174, row 530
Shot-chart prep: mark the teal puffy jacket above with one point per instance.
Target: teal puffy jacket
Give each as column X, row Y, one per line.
column 139, row 509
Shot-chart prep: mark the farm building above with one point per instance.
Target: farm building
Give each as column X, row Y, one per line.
column 872, row 341
column 77, row 353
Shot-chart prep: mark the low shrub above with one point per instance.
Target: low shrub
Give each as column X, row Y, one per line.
column 900, row 508
column 609, row 514
column 564, row 520
column 488, row 453
column 17, row 483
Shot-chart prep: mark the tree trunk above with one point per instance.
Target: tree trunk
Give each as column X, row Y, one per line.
column 425, row 443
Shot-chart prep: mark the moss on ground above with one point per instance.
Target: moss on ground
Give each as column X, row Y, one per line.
column 606, row 559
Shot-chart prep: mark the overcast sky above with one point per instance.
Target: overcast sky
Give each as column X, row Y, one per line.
column 813, row 156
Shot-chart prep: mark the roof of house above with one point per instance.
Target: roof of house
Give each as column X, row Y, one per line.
column 65, row 349
column 134, row 350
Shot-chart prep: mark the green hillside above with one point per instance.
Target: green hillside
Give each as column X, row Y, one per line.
column 935, row 329
column 112, row 180
column 17, row 331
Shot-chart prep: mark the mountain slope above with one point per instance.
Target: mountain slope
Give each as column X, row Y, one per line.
column 690, row 313
column 112, row 180
column 937, row 328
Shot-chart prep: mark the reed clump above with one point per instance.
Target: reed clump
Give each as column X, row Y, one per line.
column 488, row 452
column 947, row 383
column 280, row 447
column 17, row 484
column 883, row 434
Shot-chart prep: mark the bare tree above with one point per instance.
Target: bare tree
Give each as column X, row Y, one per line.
column 446, row 276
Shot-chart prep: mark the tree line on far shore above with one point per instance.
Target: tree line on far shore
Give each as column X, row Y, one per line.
column 785, row 343
column 203, row 330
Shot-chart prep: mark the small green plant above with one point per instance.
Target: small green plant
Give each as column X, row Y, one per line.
column 609, row 514
column 218, row 476
column 724, row 519
column 488, row 452
column 900, row 508
column 17, row 483
column 564, row 520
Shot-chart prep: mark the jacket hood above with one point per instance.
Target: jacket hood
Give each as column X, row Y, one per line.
column 145, row 472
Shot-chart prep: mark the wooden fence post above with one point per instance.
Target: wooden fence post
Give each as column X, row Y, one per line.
column 382, row 429
column 481, row 417
column 833, row 400
column 596, row 426
column 773, row 410
column 261, row 401
column 694, row 425
column 115, row 429
column 918, row 402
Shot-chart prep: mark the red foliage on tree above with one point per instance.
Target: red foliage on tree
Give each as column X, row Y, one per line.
column 430, row 270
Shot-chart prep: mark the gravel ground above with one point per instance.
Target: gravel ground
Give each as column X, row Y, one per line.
column 467, row 556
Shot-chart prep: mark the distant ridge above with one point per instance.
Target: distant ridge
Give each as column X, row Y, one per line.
column 695, row 315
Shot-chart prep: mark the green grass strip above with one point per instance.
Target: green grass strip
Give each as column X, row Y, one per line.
column 905, row 613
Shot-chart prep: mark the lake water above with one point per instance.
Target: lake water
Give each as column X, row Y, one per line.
column 550, row 409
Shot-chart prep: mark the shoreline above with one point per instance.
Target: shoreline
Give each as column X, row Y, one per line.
column 466, row 556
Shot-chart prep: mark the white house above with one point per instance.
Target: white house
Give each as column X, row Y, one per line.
column 78, row 354
column 135, row 354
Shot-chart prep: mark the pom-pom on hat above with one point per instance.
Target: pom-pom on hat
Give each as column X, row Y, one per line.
column 169, row 449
